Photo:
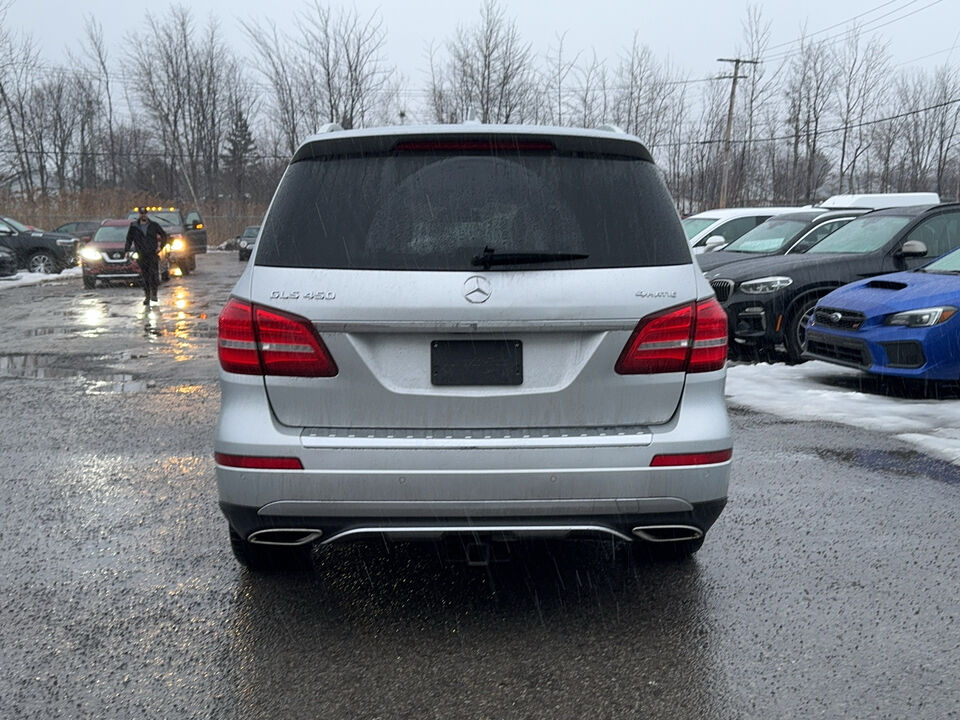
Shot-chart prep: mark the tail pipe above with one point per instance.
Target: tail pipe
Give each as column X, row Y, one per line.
column 667, row 533
column 285, row 536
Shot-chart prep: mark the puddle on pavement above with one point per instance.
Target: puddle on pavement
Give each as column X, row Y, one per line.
column 51, row 367
column 895, row 461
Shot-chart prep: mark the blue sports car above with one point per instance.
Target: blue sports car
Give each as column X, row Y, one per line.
column 904, row 324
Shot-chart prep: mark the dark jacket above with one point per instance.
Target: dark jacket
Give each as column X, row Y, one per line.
column 148, row 244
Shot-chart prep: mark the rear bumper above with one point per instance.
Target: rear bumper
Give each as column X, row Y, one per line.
column 601, row 481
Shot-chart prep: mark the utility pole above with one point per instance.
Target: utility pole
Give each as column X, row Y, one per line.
column 737, row 62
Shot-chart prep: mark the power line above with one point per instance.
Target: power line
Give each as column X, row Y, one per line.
column 848, row 21
column 834, row 39
column 828, row 131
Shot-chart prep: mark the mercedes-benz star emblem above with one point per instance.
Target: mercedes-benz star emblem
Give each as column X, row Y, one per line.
column 476, row 289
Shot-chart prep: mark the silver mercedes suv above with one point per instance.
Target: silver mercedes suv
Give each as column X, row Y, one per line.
column 470, row 331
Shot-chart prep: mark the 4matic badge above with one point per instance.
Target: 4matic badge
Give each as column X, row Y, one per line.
column 308, row 295
column 656, row 293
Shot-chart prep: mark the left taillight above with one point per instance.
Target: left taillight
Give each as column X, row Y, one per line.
column 254, row 340
column 237, row 339
column 690, row 338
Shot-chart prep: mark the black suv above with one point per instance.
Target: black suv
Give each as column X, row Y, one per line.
column 38, row 251
column 769, row 299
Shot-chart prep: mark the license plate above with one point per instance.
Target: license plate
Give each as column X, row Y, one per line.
column 476, row 362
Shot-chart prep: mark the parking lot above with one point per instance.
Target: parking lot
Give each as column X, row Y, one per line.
column 827, row 588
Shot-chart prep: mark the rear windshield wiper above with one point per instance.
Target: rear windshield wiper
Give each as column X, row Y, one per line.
column 491, row 257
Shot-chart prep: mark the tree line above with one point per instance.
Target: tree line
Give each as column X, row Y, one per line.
column 175, row 112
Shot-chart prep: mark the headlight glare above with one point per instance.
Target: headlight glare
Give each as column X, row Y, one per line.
column 764, row 285
column 88, row 253
column 178, row 244
column 924, row 317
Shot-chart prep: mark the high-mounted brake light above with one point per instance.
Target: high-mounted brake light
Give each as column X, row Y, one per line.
column 254, row 340
column 690, row 338
column 491, row 145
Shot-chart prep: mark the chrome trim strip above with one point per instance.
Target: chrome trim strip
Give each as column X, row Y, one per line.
column 470, row 326
column 474, row 508
column 468, row 529
column 314, row 442
column 237, row 344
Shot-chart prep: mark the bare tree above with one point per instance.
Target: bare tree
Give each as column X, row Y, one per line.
column 859, row 92
column 489, row 70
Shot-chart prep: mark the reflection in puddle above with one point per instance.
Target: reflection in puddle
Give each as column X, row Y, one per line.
column 44, row 367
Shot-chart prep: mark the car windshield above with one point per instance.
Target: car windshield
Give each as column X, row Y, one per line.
column 767, row 237
column 436, row 211
column 695, row 225
column 862, row 235
column 19, row 227
column 164, row 218
column 111, row 234
column 251, row 231
column 948, row 264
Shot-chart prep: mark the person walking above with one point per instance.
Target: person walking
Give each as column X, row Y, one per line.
column 147, row 237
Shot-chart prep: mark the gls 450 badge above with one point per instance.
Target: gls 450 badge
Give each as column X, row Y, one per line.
column 308, row 295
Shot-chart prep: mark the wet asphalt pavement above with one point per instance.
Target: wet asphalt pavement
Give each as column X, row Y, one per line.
column 830, row 586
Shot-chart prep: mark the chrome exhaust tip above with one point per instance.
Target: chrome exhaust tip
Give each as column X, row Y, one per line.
column 285, row 536
column 667, row 533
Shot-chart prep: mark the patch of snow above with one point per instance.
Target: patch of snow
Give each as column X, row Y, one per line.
column 29, row 278
column 818, row 391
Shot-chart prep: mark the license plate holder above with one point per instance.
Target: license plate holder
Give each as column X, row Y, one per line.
column 476, row 362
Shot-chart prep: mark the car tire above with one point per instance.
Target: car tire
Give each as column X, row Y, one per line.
column 270, row 558
column 89, row 282
column 43, row 262
column 796, row 330
column 186, row 265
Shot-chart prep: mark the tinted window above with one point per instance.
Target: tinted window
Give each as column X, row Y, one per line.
column 767, row 237
column 163, row 218
column 695, row 225
column 735, row 228
column 817, row 234
column 947, row 264
column 111, row 233
column 436, row 211
column 863, row 235
column 940, row 234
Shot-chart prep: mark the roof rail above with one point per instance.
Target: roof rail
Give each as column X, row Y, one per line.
column 329, row 128
column 609, row 127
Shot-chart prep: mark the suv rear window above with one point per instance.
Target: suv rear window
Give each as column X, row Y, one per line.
column 433, row 210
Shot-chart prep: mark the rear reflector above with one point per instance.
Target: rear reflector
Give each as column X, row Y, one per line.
column 253, row 340
column 690, row 338
column 707, row 458
column 258, row 462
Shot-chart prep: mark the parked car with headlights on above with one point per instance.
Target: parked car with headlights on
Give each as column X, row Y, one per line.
column 104, row 259
column 899, row 325
column 487, row 338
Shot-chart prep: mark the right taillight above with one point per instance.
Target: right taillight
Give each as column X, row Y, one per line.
column 690, row 338
column 254, row 340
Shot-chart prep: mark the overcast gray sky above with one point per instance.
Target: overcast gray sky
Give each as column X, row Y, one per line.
column 691, row 33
